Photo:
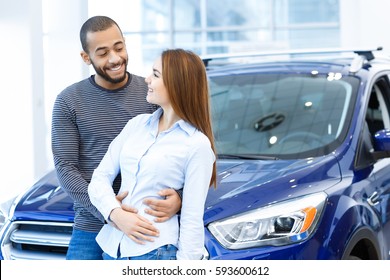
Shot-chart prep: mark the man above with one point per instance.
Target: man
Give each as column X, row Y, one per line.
column 87, row 116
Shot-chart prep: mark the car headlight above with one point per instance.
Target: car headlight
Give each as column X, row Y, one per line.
column 274, row 225
column 5, row 208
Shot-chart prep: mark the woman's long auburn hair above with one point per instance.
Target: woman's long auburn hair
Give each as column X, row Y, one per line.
column 184, row 76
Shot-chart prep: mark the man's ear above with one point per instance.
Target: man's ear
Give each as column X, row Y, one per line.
column 85, row 57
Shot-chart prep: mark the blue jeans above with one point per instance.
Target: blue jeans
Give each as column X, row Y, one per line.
column 166, row 252
column 83, row 246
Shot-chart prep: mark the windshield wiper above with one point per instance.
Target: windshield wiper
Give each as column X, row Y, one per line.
column 246, row 156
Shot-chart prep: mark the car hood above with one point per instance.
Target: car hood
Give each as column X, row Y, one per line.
column 248, row 184
column 242, row 185
column 45, row 200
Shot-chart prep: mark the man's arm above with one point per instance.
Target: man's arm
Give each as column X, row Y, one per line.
column 164, row 209
column 65, row 147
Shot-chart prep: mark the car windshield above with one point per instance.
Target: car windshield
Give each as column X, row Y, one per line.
column 280, row 115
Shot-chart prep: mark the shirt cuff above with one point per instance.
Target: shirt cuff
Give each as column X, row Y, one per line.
column 180, row 193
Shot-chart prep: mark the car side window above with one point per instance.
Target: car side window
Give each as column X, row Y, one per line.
column 377, row 115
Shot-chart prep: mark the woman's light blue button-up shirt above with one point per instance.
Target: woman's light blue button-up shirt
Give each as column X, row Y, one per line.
column 180, row 157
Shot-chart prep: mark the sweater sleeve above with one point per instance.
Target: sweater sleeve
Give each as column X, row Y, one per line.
column 65, row 148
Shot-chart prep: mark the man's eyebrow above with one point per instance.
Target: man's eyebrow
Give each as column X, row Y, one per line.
column 105, row 48
column 101, row 48
column 119, row 43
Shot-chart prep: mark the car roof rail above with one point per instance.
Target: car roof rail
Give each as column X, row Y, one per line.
column 361, row 58
column 364, row 54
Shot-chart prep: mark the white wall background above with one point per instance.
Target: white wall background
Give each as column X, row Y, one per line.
column 25, row 141
column 365, row 23
column 16, row 98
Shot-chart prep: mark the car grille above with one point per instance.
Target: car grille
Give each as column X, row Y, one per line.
column 36, row 240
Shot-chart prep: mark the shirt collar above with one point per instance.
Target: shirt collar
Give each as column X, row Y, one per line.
column 183, row 125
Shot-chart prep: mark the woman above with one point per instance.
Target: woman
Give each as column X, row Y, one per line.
column 171, row 148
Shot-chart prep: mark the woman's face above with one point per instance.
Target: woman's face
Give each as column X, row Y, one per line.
column 157, row 93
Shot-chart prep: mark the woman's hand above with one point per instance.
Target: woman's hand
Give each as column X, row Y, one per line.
column 136, row 227
column 120, row 197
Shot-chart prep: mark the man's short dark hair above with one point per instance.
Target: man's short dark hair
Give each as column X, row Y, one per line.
column 95, row 24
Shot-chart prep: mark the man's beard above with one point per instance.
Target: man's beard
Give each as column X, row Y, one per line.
column 106, row 77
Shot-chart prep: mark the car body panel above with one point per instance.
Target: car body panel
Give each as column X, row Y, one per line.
column 46, row 200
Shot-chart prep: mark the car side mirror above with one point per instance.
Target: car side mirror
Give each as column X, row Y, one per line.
column 382, row 144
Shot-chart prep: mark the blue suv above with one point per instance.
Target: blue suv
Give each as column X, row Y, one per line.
column 303, row 142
